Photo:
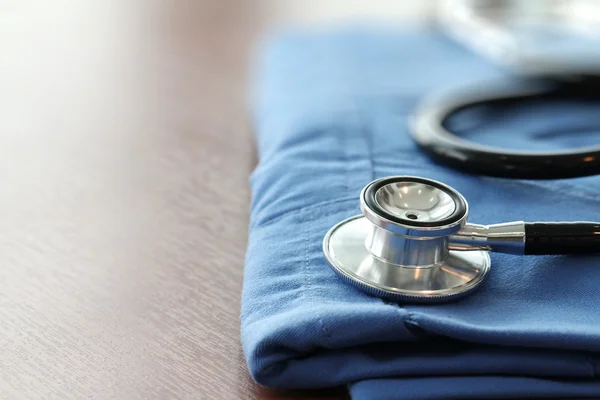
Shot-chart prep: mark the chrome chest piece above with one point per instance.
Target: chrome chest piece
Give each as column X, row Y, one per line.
column 413, row 244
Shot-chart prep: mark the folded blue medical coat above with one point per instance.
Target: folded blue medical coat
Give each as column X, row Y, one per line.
column 331, row 112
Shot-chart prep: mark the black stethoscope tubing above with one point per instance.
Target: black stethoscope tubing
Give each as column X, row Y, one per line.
column 430, row 131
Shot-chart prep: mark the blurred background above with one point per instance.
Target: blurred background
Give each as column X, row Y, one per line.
column 125, row 150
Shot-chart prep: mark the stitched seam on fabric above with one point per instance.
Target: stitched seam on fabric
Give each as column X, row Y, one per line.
column 575, row 191
column 345, row 145
column 364, row 125
column 278, row 217
column 370, row 158
column 308, row 279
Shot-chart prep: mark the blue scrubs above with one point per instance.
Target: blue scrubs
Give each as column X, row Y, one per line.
column 331, row 111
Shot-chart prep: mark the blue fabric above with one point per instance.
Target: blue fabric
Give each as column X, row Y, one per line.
column 331, row 113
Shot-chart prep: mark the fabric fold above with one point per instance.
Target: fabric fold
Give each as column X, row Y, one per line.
column 332, row 112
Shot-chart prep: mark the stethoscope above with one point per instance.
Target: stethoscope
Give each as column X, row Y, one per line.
column 412, row 242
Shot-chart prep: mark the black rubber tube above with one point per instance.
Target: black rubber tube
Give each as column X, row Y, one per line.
column 562, row 238
column 430, row 131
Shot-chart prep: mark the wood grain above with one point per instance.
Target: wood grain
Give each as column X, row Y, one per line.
column 124, row 158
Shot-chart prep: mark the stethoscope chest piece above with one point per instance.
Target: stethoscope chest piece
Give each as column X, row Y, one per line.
column 399, row 248
column 413, row 242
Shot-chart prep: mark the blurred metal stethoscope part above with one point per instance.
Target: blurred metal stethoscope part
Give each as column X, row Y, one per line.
column 413, row 243
column 553, row 45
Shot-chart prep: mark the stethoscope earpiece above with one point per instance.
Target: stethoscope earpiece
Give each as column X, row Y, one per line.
column 413, row 243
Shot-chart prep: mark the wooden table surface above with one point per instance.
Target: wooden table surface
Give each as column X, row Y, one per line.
column 124, row 158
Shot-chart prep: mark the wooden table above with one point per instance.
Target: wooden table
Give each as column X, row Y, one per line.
column 124, row 157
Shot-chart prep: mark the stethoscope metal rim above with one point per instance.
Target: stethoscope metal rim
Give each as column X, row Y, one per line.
column 371, row 207
column 479, row 260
